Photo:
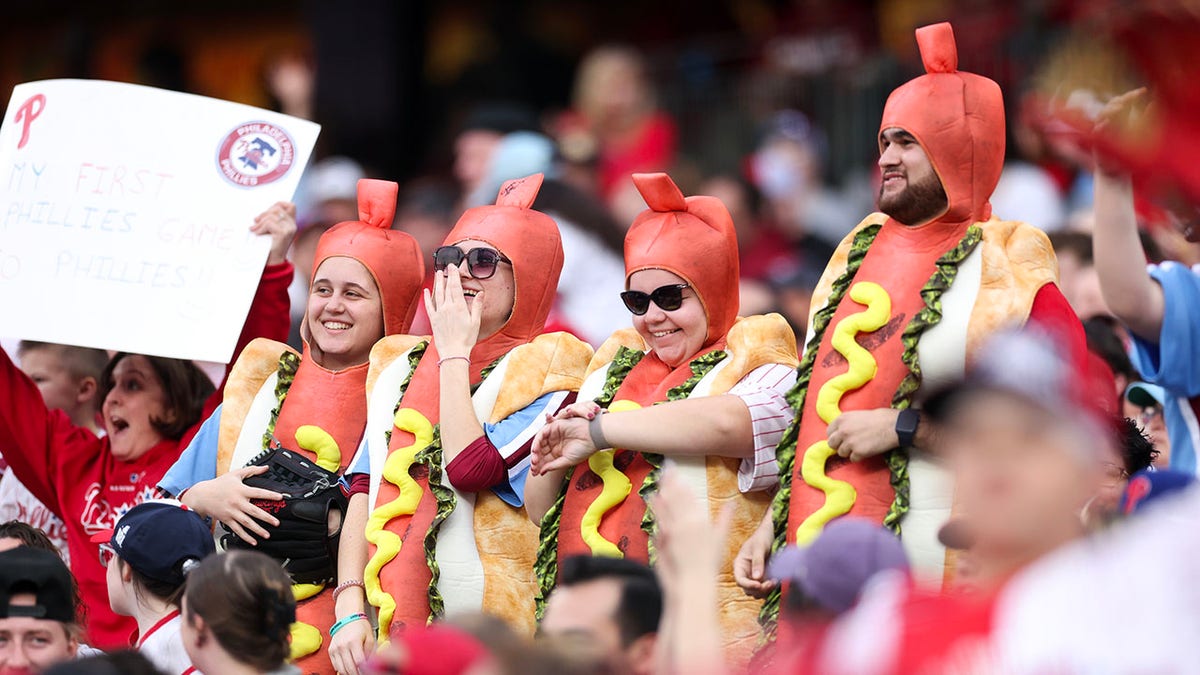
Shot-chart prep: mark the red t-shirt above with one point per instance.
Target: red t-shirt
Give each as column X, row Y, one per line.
column 74, row 473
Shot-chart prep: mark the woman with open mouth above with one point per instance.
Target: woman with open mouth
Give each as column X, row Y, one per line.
column 690, row 383
column 285, row 411
column 152, row 408
column 450, row 422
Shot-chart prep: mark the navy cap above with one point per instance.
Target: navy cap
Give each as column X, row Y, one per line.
column 43, row 574
column 833, row 569
column 1148, row 486
column 160, row 539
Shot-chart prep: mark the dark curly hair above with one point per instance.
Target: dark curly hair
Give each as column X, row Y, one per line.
column 1136, row 447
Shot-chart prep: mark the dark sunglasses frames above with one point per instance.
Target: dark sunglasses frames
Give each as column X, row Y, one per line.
column 668, row 299
column 481, row 262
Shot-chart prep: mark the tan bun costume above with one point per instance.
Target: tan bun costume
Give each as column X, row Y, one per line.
column 435, row 550
column 272, row 392
column 900, row 309
column 602, row 509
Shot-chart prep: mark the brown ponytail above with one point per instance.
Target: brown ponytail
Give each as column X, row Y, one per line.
column 245, row 599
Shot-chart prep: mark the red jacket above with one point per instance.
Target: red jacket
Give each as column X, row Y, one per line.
column 73, row 472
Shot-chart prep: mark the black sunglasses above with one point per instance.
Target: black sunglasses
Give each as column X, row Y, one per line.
column 481, row 262
column 668, row 299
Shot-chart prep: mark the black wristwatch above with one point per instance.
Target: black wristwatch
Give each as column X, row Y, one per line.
column 906, row 426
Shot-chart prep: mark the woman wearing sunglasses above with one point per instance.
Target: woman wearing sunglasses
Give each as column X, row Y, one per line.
column 451, row 421
column 690, row 384
column 365, row 285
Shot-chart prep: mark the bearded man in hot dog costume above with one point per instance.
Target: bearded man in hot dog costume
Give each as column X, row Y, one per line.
column 301, row 416
column 905, row 302
column 451, row 420
column 691, row 384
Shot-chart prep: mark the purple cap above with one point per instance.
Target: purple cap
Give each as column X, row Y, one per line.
column 833, row 569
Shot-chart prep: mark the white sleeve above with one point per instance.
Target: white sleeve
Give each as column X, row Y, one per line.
column 763, row 390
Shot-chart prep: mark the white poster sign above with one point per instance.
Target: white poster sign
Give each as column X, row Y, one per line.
column 125, row 210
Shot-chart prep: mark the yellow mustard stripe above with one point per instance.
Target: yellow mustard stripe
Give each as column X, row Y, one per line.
column 840, row 495
column 306, row 640
column 387, row 544
column 617, row 487
column 318, row 441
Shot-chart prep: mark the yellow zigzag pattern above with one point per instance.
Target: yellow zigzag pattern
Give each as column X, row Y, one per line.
column 617, row 487
column 306, row 639
column 387, row 544
column 840, row 495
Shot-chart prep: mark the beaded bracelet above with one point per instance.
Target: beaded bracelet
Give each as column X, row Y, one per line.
column 346, row 621
column 453, row 358
column 344, row 585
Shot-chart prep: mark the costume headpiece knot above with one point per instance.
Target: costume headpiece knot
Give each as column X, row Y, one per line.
column 377, row 202
column 520, row 192
column 660, row 192
column 939, row 52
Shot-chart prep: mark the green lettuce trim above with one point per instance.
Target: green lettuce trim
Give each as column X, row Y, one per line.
column 289, row 363
column 944, row 274
column 701, row 366
column 546, row 564
column 946, row 269
column 445, row 499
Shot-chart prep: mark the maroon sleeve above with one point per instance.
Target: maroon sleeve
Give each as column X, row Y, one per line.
column 1052, row 313
column 360, row 484
column 477, row 468
column 269, row 318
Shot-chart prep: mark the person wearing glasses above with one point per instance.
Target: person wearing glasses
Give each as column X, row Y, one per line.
column 310, row 407
column 690, row 383
column 442, row 466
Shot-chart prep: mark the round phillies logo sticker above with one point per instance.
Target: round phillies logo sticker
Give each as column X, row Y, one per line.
column 255, row 153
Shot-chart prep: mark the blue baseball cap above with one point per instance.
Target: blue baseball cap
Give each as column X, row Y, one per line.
column 1145, row 395
column 161, row 539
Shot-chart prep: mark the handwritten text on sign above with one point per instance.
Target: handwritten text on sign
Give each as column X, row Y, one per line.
column 124, row 214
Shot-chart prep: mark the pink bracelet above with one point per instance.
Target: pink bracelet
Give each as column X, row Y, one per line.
column 453, row 358
column 344, row 585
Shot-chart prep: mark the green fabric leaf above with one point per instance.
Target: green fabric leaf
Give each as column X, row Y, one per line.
column 289, row 363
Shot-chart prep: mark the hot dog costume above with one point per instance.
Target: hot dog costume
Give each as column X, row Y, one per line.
column 273, row 393
column 602, row 508
column 900, row 309
column 433, row 548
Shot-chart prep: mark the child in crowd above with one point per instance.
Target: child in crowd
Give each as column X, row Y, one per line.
column 148, row 556
column 69, row 379
column 236, row 612
column 151, row 407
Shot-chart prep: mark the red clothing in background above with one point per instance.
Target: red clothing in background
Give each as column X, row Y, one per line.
column 75, row 474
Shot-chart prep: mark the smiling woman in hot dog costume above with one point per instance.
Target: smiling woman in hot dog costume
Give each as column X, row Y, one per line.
column 903, row 305
column 690, row 383
column 451, row 421
column 304, row 414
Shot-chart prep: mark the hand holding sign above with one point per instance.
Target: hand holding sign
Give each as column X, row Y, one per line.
column 116, row 197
